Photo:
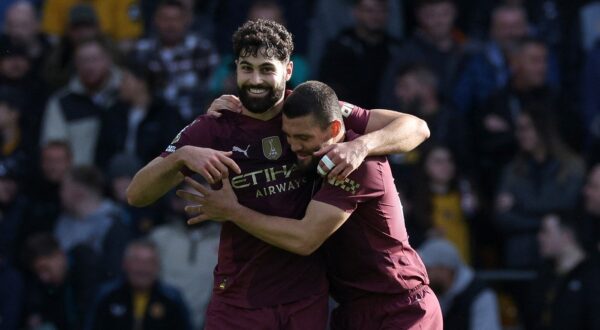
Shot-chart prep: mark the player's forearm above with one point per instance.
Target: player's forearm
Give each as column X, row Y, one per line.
column 288, row 234
column 154, row 180
column 393, row 132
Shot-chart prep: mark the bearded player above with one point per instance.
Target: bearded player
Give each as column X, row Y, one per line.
column 257, row 285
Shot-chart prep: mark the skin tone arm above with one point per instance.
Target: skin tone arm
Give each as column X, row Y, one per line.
column 162, row 174
column 297, row 236
column 388, row 132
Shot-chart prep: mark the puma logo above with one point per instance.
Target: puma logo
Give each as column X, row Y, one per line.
column 238, row 149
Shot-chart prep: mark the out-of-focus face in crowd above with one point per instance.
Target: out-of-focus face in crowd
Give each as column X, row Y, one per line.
column 371, row 15
column 141, row 265
column 21, row 23
column 527, row 136
column 530, row 65
column 551, row 237
column 171, row 24
column 55, row 162
column 51, row 269
column 439, row 166
column 437, row 19
column 93, row 65
column 508, row 25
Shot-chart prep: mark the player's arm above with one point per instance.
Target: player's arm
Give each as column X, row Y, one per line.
column 387, row 132
column 163, row 173
column 298, row 236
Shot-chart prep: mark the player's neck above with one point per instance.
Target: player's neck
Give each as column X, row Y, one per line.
column 267, row 115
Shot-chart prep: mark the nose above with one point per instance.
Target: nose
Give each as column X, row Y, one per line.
column 255, row 78
column 296, row 147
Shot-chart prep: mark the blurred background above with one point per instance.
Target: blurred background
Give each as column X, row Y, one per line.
column 502, row 201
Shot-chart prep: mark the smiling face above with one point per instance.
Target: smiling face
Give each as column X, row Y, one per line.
column 261, row 81
column 305, row 136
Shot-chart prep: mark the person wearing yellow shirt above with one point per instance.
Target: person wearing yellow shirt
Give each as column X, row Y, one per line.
column 119, row 19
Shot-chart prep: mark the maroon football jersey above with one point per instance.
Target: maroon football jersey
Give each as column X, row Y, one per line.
column 251, row 273
column 370, row 253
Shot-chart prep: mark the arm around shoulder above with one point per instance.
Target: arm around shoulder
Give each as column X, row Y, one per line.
column 391, row 132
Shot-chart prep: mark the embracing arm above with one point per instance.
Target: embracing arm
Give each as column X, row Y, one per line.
column 387, row 132
column 390, row 132
column 162, row 174
column 297, row 236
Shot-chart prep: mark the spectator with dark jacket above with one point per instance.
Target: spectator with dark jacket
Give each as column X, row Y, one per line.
column 493, row 124
column 139, row 300
column 567, row 293
column 354, row 62
column 65, row 283
column 544, row 176
column 140, row 124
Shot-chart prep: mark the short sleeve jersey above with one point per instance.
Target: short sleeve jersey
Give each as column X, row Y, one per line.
column 370, row 253
column 251, row 273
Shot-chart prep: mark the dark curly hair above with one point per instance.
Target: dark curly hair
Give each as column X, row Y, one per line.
column 272, row 39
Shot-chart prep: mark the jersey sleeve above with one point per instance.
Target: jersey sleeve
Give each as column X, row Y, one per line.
column 355, row 118
column 361, row 186
column 198, row 133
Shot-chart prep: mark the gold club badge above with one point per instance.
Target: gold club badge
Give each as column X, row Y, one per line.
column 271, row 147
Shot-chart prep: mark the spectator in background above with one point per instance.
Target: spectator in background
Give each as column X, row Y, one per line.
column 12, row 296
column 354, row 62
column 488, row 69
column 544, row 176
column 139, row 300
column 435, row 43
column 467, row 302
column 43, row 189
column 138, row 124
column 189, row 256
column 416, row 90
column 91, row 220
column 119, row 19
column 82, row 25
column 332, row 16
column 591, row 202
column 23, row 27
column 224, row 79
column 179, row 63
column 493, row 123
column 74, row 113
column 16, row 74
column 567, row 292
column 121, row 169
column 65, row 286
column 443, row 201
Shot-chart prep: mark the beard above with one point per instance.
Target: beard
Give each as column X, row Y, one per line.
column 260, row 104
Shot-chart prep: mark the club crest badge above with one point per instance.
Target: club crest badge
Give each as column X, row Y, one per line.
column 271, row 147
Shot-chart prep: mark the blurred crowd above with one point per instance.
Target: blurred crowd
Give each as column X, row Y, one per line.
column 90, row 91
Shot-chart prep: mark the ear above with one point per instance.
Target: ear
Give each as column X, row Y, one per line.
column 289, row 68
column 335, row 127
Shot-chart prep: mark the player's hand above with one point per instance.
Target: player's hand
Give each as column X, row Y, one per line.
column 212, row 165
column 209, row 204
column 345, row 157
column 224, row 102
